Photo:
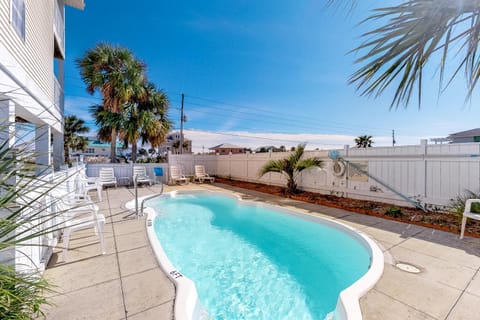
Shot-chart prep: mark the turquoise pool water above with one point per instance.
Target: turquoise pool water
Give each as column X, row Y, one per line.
column 250, row 262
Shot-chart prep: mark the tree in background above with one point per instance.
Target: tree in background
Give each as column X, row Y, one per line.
column 291, row 167
column 144, row 118
column 364, row 141
column 412, row 33
column 72, row 141
column 116, row 74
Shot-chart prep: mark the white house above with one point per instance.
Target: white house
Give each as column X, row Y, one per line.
column 32, row 53
column 172, row 144
column 472, row 135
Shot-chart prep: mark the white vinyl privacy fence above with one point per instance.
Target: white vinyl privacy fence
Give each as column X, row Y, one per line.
column 429, row 174
column 124, row 171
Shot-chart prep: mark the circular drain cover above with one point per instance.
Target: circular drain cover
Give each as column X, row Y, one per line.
column 407, row 268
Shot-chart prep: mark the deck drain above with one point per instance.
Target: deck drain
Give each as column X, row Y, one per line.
column 407, row 268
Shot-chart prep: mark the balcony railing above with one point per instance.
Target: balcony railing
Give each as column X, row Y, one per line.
column 59, row 31
column 58, row 95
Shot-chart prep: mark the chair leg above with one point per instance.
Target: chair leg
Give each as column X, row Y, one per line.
column 99, row 191
column 464, row 223
column 66, row 242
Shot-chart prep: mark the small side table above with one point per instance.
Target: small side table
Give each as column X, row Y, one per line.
column 125, row 180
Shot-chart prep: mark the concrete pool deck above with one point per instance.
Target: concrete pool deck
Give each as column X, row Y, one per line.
column 127, row 283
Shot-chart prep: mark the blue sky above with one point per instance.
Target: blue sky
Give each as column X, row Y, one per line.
column 259, row 73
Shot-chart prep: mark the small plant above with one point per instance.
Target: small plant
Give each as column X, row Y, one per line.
column 291, row 167
column 457, row 205
column 394, row 212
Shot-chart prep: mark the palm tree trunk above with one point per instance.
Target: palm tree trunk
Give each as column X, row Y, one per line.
column 134, row 152
column 113, row 148
column 66, row 150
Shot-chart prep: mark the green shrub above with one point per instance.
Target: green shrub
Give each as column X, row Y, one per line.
column 394, row 212
column 457, row 205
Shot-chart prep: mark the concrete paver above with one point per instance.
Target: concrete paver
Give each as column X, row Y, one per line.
column 127, row 283
column 465, row 309
column 378, row 306
column 422, row 294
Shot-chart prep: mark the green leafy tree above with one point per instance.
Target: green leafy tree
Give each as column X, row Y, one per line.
column 71, row 139
column 291, row 166
column 116, row 74
column 409, row 35
column 364, row 141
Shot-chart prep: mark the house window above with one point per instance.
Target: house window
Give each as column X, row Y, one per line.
column 18, row 17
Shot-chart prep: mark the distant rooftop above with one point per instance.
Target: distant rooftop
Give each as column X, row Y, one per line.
column 465, row 134
column 100, row 144
column 226, row 146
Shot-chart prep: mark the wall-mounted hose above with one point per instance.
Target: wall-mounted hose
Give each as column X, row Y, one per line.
column 335, row 156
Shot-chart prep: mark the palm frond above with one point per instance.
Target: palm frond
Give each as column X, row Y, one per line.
column 271, row 166
column 412, row 34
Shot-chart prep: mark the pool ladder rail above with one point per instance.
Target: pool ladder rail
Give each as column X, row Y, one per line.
column 137, row 212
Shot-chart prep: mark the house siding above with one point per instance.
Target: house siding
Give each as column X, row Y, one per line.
column 35, row 54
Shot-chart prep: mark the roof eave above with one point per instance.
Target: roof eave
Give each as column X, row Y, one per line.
column 79, row 4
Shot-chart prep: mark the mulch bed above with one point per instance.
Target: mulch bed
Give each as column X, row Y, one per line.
column 444, row 221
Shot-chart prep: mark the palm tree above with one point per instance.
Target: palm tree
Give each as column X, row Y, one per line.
column 144, row 117
column 410, row 35
column 72, row 127
column 364, row 141
column 116, row 74
column 291, row 167
column 107, row 122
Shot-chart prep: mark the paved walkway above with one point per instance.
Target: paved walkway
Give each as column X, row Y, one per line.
column 127, row 283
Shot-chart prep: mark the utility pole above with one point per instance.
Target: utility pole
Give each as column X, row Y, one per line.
column 393, row 137
column 181, row 125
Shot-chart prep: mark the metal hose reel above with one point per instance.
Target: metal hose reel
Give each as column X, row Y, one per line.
column 335, row 156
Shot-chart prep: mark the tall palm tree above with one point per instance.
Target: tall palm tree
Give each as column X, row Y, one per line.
column 73, row 126
column 364, row 141
column 291, row 167
column 144, row 117
column 410, row 35
column 116, row 74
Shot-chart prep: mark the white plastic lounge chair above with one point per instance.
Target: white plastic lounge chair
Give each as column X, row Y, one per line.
column 467, row 213
column 176, row 175
column 141, row 173
column 201, row 175
column 83, row 184
column 106, row 177
column 78, row 214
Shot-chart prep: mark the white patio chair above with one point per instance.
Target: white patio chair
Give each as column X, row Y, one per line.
column 78, row 214
column 83, row 184
column 176, row 175
column 201, row 175
column 467, row 213
column 106, row 177
column 141, row 173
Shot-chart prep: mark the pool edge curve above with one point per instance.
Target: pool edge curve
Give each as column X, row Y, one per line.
column 187, row 304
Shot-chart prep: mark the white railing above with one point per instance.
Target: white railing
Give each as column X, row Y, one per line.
column 35, row 253
column 59, row 26
column 58, row 95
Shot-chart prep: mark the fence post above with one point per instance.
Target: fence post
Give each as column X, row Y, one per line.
column 423, row 150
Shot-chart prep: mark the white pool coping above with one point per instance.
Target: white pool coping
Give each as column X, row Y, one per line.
column 187, row 304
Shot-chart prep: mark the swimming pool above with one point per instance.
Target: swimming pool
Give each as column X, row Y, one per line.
column 254, row 261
